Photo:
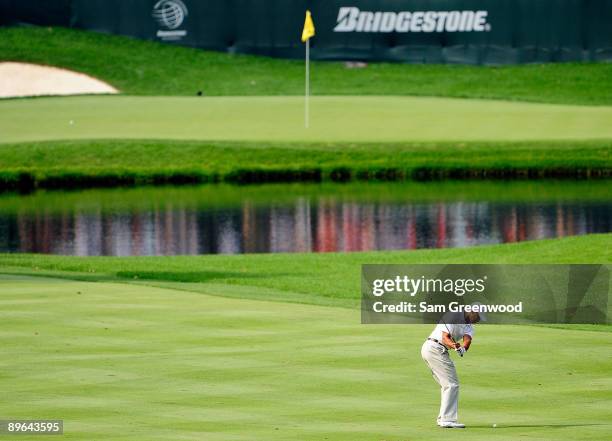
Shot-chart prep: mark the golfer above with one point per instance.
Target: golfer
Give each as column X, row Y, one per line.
column 452, row 329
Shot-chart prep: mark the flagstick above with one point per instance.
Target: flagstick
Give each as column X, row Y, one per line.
column 307, row 94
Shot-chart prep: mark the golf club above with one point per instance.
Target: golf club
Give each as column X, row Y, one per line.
column 451, row 337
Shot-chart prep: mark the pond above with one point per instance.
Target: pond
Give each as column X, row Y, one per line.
column 227, row 219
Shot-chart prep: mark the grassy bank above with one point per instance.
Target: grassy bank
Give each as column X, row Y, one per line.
column 304, row 278
column 130, row 162
column 143, row 68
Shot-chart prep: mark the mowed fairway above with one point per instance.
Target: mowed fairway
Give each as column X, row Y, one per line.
column 333, row 119
column 130, row 362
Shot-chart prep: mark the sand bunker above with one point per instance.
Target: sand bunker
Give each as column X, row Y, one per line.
column 23, row 79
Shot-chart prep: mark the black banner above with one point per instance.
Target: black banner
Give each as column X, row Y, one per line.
column 415, row 31
column 42, row 13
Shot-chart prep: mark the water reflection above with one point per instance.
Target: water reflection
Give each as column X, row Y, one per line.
column 303, row 224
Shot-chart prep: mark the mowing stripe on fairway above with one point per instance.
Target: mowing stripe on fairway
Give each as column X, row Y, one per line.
column 333, row 119
column 127, row 362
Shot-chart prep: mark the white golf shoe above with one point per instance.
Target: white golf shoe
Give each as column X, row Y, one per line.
column 451, row 425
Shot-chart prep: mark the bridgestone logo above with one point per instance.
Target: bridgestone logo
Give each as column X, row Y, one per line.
column 351, row 19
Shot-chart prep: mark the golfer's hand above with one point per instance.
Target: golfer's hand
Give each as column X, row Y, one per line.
column 457, row 346
column 461, row 351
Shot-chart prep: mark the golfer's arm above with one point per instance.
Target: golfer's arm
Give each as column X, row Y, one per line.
column 467, row 341
column 448, row 341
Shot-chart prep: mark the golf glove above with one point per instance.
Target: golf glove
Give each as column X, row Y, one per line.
column 461, row 351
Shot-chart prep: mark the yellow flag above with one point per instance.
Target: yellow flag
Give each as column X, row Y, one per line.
column 309, row 29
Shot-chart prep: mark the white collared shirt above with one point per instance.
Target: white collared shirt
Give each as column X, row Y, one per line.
column 456, row 330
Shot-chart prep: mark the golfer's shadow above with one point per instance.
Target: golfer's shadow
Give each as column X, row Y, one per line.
column 526, row 426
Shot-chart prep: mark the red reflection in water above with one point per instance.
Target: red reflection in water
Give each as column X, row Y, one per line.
column 321, row 225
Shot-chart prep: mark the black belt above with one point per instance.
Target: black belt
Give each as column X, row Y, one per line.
column 436, row 341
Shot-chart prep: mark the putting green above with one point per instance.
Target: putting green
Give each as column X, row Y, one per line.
column 333, row 119
column 130, row 362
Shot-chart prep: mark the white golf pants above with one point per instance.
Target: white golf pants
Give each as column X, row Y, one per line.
column 443, row 371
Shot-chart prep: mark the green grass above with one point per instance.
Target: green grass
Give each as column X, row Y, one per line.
column 111, row 162
column 346, row 119
column 127, row 140
column 328, row 279
column 366, row 137
column 147, row 68
column 196, row 357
